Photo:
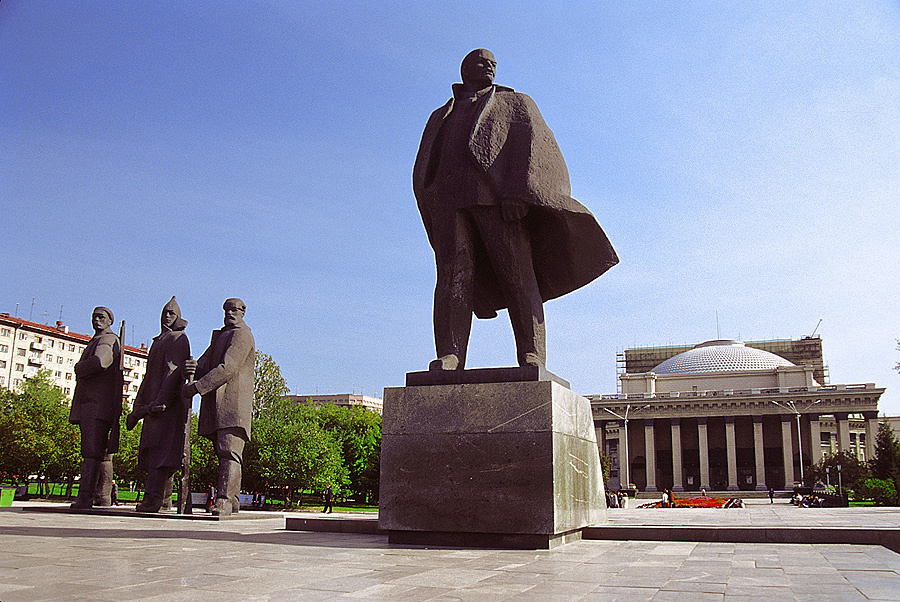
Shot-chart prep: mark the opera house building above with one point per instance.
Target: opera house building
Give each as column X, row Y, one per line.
column 725, row 415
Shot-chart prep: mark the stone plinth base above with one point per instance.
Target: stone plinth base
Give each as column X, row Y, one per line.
column 515, row 541
column 511, row 464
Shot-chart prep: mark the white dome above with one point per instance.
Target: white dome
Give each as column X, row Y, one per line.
column 720, row 356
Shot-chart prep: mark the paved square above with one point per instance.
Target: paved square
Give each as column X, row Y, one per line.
column 75, row 557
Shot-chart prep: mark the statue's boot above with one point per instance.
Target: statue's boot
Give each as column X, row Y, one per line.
column 85, row 499
column 445, row 362
column 229, row 489
column 103, row 490
column 167, row 491
column 153, row 491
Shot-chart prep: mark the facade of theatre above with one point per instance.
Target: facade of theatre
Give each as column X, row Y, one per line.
column 724, row 415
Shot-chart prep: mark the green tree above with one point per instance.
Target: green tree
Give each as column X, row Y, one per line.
column 358, row 431
column 291, row 452
column 605, row 466
column 204, row 464
column 853, row 472
column 886, row 462
column 885, row 466
column 881, row 491
column 268, row 384
column 36, row 435
column 125, row 461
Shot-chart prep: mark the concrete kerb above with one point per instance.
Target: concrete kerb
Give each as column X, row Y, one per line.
column 887, row 537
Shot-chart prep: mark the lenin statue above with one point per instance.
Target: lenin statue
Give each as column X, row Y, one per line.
column 493, row 190
column 224, row 376
column 97, row 402
column 163, row 409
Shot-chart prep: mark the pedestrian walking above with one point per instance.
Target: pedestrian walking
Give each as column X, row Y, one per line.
column 328, row 495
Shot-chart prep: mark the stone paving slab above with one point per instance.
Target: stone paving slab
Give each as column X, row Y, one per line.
column 82, row 557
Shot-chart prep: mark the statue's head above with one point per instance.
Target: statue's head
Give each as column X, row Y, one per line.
column 478, row 68
column 234, row 311
column 101, row 318
column 171, row 316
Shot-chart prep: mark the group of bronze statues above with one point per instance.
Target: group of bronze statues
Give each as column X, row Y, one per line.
column 493, row 191
column 223, row 376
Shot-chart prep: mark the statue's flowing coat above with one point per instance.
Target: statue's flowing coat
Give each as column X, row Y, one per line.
column 162, row 436
column 519, row 155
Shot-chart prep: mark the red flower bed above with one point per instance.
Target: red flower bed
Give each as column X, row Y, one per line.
column 700, row 502
column 691, row 502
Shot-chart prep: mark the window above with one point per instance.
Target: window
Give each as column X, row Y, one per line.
column 52, row 342
column 2, row 363
column 59, row 359
column 2, row 380
column 4, row 348
column 68, row 376
column 71, row 361
column 39, row 339
column 80, row 349
column 49, row 357
column 68, row 391
column 20, row 367
column 23, row 336
column 5, row 332
column 58, row 374
column 20, row 352
column 71, row 347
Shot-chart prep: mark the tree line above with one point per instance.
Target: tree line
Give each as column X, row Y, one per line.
column 877, row 480
column 294, row 447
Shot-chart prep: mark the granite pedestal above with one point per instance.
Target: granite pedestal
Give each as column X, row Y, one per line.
column 495, row 464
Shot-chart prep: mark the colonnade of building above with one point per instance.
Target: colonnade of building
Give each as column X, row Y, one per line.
column 729, row 452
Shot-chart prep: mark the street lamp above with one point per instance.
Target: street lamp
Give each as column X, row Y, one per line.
column 791, row 407
column 625, row 420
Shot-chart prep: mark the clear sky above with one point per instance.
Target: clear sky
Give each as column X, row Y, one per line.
column 741, row 156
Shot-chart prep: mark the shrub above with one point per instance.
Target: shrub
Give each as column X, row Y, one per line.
column 881, row 491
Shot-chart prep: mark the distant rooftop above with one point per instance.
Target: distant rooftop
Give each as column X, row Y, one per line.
column 722, row 355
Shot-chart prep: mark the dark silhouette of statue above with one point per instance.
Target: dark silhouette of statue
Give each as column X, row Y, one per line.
column 224, row 376
column 160, row 405
column 493, row 190
column 97, row 402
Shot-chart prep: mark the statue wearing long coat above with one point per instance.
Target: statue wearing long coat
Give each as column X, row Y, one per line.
column 162, row 436
column 98, row 394
column 225, row 381
column 512, row 145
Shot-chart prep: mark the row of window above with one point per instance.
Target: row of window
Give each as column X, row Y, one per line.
column 61, row 345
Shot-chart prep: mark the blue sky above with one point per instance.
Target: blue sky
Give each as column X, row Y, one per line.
column 742, row 158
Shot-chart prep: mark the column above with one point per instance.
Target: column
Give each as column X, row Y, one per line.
column 650, row 454
column 703, row 438
column 624, row 468
column 731, row 453
column 815, row 439
column 759, row 456
column 843, row 431
column 600, row 432
column 871, row 432
column 677, row 472
column 787, row 450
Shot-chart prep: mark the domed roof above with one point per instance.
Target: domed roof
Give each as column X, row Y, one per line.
column 720, row 356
